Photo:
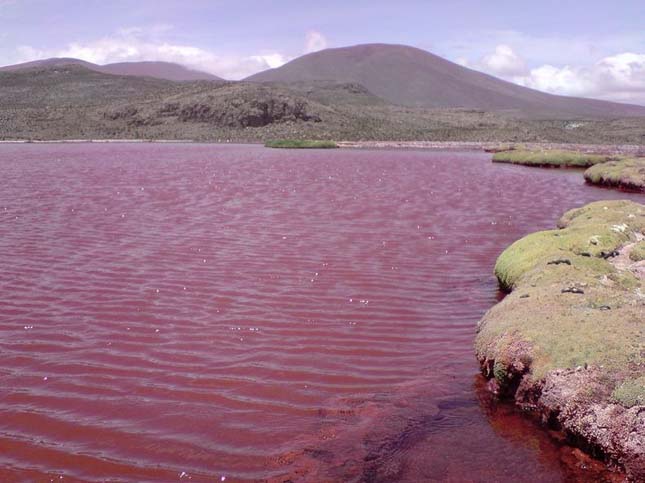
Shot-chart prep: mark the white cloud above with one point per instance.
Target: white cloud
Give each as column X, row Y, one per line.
column 626, row 71
column 541, row 49
column 272, row 60
column 315, row 41
column 462, row 61
column 619, row 77
column 567, row 80
column 504, row 62
column 137, row 44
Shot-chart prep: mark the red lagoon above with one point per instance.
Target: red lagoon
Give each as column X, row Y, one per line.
column 225, row 313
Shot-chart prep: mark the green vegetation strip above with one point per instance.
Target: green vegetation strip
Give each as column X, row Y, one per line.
column 570, row 306
column 301, row 144
column 551, row 158
column 625, row 173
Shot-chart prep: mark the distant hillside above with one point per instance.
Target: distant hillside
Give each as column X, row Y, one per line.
column 158, row 70
column 412, row 77
column 71, row 101
column 73, row 85
column 62, row 100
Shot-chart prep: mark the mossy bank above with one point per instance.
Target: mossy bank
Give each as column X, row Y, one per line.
column 568, row 341
column 626, row 173
column 300, row 144
column 551, row 158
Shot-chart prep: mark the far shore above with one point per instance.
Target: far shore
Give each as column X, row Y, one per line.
column 626, row 149
column 101, row 141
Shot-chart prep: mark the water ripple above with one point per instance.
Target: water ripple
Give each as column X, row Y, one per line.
column 207, row 310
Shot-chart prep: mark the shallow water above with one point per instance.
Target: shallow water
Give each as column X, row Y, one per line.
column 193, row 312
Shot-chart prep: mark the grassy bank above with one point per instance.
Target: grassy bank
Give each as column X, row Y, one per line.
column 567, row 341
column 625, row 173
column 551, row 158
column 568, row 275
column 300, row 144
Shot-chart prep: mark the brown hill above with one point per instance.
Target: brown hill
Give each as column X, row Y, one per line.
column 157, row 70
column 73, row 102
column 47, row 63
column 413, row 77
column 74, row 86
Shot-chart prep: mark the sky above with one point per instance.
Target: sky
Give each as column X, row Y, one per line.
column 590, row 48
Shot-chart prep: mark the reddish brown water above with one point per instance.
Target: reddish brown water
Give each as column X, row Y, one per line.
column 175, row 312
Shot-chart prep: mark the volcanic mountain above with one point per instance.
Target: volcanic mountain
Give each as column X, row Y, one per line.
column 157, row 70
column 413, row 77
column 72, row 99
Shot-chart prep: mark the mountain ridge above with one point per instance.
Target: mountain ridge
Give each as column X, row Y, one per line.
column 398, row 74
column 413, row 77
column 155, row 69
column 74, row 102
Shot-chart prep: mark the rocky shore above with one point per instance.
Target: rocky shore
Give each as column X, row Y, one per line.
column 567, row 342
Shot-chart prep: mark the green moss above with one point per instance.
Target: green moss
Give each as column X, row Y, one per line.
column 500, row 371
column 631, row 392
column 301, row 144
column 569, row 305
column 638, row 252
column 629, row 173
column 551, row 158
column 564, row 331
column 538, row 249
column 592, row 231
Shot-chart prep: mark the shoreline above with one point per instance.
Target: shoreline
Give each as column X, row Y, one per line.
column 627, row 149
column 564, row 343
column 105, row 141
column 488, row 146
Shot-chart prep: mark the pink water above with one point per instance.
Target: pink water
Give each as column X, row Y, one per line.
column 193, row 312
